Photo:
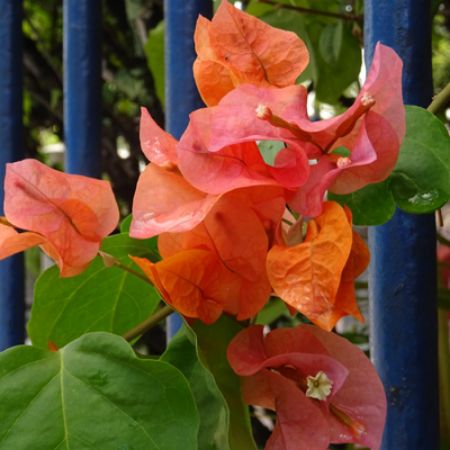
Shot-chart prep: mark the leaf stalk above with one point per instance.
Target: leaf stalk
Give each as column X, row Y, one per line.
column 148, row 323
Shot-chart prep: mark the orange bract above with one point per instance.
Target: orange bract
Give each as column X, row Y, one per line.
column 164, row 201
column 68, row 215
column 316, row 276
column 192, row 281
column 236, row 234
column 236, row 48
column 12, row 242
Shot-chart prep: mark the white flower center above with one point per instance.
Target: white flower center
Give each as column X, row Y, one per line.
column 319, row 386
column 263, row 112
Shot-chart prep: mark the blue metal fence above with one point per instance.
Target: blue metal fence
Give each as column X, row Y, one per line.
column 403, row 274
column 82, row 86
column 11, row 270
column 402, row 285
column 181, row 92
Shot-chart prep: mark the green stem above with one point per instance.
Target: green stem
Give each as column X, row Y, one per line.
column 440, row 101
column 112, row 261
column 444, row 376
column 317, row 12
column 133, row 272
column 148, row 323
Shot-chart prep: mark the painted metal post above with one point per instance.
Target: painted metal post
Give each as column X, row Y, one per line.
column 12, row 304
column 82, row 86
column 403, row 268
column 181, row 93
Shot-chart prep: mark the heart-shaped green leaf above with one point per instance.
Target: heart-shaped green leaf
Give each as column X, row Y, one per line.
column 100, row 299
column 93, row 394
column 183, row 353
column 420, row 182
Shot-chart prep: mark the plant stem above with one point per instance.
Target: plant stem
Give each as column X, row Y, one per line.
column 133, row 272
column 440, row 217
column 440, row 101
column 317, row 12
column 148, row 323
column 112, row 261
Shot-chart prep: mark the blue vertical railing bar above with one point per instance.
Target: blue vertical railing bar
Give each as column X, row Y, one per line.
column 180, row 90
column 82, row 86
column 11, row 270
column 403, row 267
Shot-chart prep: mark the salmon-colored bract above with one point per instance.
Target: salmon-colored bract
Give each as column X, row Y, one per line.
column 67, row 215
column 235, row 48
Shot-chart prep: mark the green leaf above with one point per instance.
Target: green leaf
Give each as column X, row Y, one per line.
column 330, row 42
column 339, row 67
column 154, row 51
column 125, row 224
column 420, row 182
column 273, row 310
column 269, row 150
column 341, row 151
column 100, row 299
column 93, row 394
column 183, row 353
column 121, row 245
column 435, row 7
column 371, row 205
column 258, row 9
column 213, row 341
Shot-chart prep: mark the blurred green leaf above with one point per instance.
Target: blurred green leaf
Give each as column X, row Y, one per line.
column 273, row 310
column 213, row 341
column 183, row 353
column 342, row 151
column 269, row 150
column 154, row 51
column 125, row 224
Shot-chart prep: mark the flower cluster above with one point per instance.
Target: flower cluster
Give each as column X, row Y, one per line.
column 239, row 207
column 323, row 388
column 237, row 223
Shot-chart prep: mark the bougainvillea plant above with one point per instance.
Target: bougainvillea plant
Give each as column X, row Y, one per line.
column 222, row 225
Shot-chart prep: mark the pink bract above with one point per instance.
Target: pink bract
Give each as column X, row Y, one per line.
column 372, row 130
column 275, row 368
